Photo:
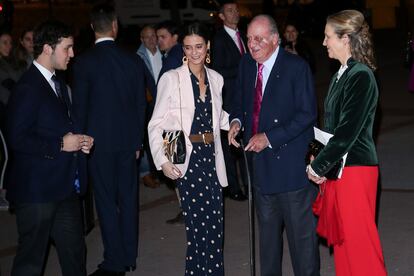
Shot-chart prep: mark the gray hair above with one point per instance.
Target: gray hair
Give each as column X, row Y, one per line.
column 272, row 23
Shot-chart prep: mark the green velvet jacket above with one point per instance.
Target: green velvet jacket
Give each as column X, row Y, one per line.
column 349, row 115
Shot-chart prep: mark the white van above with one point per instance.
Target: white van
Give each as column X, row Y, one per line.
column 141, row 12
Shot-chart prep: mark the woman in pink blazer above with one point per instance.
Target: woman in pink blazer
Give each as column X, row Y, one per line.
column 189, row 98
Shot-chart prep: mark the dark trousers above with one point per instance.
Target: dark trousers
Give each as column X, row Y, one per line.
column 37, row 223
column 232, row 159
column 114, row 179
column 292, row 211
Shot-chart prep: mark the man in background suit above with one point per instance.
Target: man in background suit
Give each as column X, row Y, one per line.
column 151, row 55
column 276, row 106
column 47, row 171
column 229, row 45
column 172, row 51
column 109, row 96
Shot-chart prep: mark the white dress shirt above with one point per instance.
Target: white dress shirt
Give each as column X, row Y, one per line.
column 233, row 35
column 46, row 74
column 156, row 62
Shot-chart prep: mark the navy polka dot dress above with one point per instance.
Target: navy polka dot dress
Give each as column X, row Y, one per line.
column 201, row 197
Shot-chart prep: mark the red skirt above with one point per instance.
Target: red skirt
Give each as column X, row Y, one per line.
column 346, row 211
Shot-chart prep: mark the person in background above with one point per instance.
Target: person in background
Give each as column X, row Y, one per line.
column 23, row 52
column 172, row 58
column 275, row 104
column 229, row 45
column 294, row 44
column 349, row 203
column 47, row 169
column 172, row 52
column 189, row 97
column 109, row 97
column 151, row 55
column 10, row 72
column 149, row 51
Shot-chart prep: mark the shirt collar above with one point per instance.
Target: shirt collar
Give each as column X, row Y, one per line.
column 45, row 72
column 149, row 53
column 341, row 71
column 104, row 39
column 268, row 64
column 230, row 31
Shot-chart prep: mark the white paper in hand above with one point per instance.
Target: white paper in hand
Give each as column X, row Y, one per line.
column 324, row 137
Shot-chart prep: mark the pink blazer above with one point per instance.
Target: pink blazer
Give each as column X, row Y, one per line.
column 166, row 116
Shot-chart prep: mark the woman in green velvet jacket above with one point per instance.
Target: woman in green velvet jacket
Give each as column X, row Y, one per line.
column 347, row 206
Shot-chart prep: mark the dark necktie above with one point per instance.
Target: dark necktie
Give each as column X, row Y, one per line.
column 257, row 98
column 240, row 43
column 59, row 93
column 58, row 89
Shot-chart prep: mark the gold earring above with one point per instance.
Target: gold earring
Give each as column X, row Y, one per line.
column 208, row 58
column 185, row 60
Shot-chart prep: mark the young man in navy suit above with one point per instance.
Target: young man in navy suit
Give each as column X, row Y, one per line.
column 109, row 97
column 276, row 106
column 47, row 168
column 229, row 45
column 172, row 51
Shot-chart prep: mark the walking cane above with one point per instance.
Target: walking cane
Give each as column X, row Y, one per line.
column 250, row 214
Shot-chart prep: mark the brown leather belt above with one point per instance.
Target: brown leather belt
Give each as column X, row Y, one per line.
column 206, row 138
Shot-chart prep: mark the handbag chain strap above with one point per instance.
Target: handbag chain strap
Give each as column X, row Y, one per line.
column 179, row 92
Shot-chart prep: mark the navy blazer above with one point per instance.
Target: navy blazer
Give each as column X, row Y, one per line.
column 172, row 59
column 225, row 59
column 36, row 121
column 109, row 97
column 287, row 116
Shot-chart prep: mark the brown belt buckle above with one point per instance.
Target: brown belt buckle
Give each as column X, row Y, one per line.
column 204, row 139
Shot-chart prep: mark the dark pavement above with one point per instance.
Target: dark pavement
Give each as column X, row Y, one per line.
column 162, row 246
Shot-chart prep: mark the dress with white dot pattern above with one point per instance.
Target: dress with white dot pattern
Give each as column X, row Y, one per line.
column 201, row 198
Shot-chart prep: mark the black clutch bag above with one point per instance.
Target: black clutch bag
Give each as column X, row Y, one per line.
column 174, row 146
column 315, row 147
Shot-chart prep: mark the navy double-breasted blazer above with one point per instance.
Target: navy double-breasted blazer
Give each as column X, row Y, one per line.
column 287, row 116
column 36, row 121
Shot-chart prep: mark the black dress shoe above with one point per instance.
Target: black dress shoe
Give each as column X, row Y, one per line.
column 178, row 220
column 103, row 272
column 238, row 196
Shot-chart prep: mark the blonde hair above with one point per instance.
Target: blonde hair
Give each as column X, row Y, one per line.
column 352, row 23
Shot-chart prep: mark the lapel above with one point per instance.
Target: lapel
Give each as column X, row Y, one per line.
column 230, row 43
column 187, row 94
column 50, row 93
column 185, row 86
column 274, row 74
column 212, row 82
column 187, row 97
column 65, row 96
column 251, row 83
